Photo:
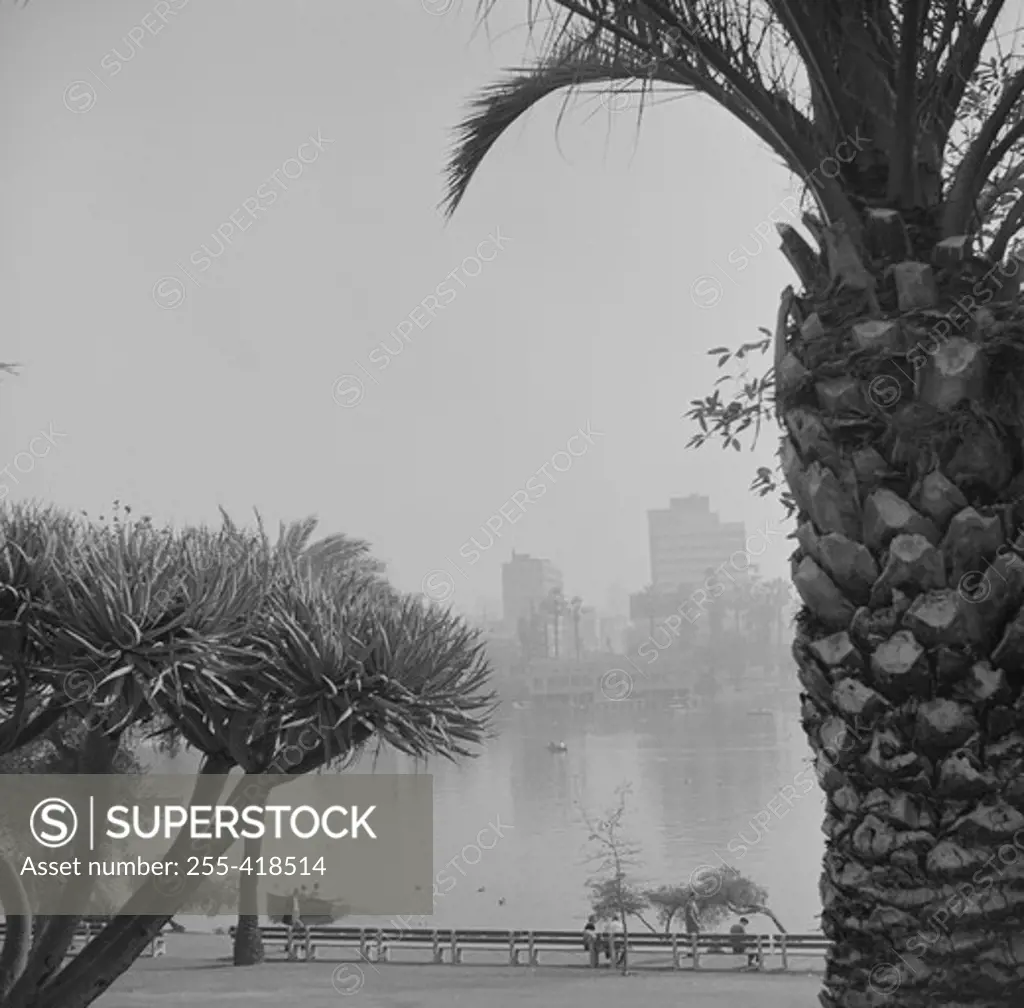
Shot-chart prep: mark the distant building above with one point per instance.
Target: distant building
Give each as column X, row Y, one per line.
column 525, row 582
column 687, row 539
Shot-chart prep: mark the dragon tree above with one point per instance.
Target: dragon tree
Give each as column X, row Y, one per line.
column 276, row 659
column 896, row 367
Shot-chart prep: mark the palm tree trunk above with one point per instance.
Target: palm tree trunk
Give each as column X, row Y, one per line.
column 112, row 952
column 248, row 949
column 901, row 461
column 18, row 931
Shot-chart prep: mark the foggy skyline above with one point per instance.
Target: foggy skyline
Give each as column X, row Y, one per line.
column 188, row 306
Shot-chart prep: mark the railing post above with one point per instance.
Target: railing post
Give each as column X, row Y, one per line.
column 531, row 951
column 675, row 951
column 438, row 954
column 782, row 949
column 695, row 950
column 513, row 959
column 760, row 954
column 454, row 949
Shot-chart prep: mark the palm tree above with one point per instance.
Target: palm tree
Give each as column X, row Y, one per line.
column 895, row 375
column 554, row 606
column 576, row 609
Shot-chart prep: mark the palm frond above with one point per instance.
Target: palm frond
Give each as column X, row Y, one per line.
column 502, row 104
column 735, row 54
column 910, row 81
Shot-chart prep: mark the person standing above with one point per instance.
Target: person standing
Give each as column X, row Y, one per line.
column 590, row 932
column 292, row 916
column 292, row 920
column 616, row 941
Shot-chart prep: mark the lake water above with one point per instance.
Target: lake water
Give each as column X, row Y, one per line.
column 708, row 786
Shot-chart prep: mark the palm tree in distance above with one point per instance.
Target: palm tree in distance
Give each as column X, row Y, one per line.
column 895, row 372
column 576, row 609
column 555, row 606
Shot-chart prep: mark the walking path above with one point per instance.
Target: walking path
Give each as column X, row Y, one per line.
column 187, row 978
column 170, row 984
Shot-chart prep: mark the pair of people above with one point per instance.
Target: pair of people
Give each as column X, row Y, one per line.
column 610, row 940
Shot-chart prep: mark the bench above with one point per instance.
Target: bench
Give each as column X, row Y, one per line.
column 785, row 945
column 377, row 944
column 646, row 941
column 572, row 941
column 482, row 940
column 535, row 942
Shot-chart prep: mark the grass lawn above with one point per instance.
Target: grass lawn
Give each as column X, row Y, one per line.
column 189, row 979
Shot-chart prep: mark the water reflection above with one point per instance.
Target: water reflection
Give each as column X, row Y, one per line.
column 705, row 790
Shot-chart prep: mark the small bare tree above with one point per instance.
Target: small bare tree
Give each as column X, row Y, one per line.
column 613, row 895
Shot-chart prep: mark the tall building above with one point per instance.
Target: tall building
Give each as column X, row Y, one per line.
column 687, row 539
column 525, row 583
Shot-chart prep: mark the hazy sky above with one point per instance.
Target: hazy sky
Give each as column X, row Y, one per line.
column 135, row 130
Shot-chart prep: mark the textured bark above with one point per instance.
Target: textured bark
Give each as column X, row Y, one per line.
column 902, row 458
column 89, row 975
column 248, row 949
column 18, row 933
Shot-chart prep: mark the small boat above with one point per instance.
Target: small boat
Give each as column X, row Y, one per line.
column 312, row 910
column 557, row 747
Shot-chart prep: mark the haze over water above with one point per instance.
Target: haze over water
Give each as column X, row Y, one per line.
column 700, row 780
